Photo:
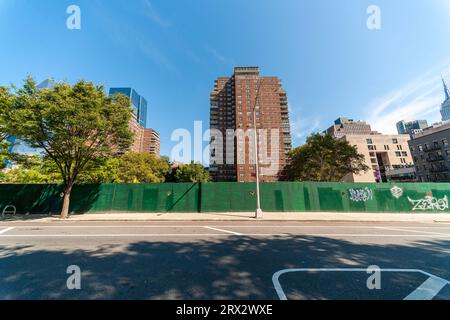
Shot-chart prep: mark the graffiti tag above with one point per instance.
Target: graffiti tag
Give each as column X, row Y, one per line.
column 397, row 192
column 361, row 195
column 430, row 203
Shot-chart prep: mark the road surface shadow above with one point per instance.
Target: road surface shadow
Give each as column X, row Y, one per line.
column 226, row 268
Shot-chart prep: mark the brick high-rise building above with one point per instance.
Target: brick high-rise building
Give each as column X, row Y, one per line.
column 151, row 142
column 235, row 101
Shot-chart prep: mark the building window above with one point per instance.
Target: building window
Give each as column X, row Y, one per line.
column 445, row 142
column 395, row 141
column 369, row 141
column 420, row 148
column 404, row 154
column 398, row 154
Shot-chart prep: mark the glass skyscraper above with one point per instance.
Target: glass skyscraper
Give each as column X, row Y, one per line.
column 412, row 127
column 138, row 103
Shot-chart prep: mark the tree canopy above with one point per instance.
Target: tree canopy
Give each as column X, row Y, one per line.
column 193, row 172
column 74, row 125
column 324, row 158
column 5, row 102
column 142, row 168
column 33, row 170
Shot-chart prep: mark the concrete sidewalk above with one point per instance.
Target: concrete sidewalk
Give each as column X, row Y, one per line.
column 240, row 216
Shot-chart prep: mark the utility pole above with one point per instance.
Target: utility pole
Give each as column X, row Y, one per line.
column 259, row 212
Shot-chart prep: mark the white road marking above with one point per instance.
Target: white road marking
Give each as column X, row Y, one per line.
column 410, row 230
column 430, row 287
column 223, row 226
column 131, row 235
column 6, row 230
column 226, row 231
column 428, row 290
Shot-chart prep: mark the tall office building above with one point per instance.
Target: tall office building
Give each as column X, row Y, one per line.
column 139, row 119
column 235, row 101
column 445, row 108
column 138, row 103
column 412, row 127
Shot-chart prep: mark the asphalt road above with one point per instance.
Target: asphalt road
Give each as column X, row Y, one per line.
column 224, row 260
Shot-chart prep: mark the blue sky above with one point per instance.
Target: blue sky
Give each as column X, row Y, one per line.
column 170, row 51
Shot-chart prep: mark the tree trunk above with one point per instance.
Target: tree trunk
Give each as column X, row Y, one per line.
column 66, row 202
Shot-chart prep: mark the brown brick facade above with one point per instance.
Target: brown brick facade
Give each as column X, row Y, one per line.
column 235, row 101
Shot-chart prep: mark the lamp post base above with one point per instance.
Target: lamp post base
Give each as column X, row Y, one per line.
column 258, row 214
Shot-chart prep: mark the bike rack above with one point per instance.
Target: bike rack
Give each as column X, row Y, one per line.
column 9, row 209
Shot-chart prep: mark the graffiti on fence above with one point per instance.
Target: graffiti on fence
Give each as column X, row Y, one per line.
column 361, row 194
column 429, row 203
column 397, row 192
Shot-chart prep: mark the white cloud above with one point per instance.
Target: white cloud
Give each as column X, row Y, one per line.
column 155, row 16
column 303, row 126
column 218, row 56
column 418, row 99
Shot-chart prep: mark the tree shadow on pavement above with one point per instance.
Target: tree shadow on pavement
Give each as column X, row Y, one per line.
column 225, row 268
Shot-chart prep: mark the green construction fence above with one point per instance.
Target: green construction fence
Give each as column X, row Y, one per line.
column 230, row 197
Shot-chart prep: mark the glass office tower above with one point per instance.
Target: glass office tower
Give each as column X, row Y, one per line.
column 138, row 103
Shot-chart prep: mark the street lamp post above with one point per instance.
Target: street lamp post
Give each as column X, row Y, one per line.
column 259, row 212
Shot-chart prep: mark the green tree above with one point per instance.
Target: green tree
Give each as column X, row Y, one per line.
column 193, row 172
column 74, row 125
column 106, row 171
column 5, row 103
column 33, row 170
column 143, row 168
column 324, row 158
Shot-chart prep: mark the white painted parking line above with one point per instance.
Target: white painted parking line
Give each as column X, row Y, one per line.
column 427, row 291
column 6, row 230
column 226, row 231
column 411, row 230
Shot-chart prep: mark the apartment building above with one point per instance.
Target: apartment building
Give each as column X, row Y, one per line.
column 151, row 142
column 387, row 156
column 239, row 104
column 431, row 153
